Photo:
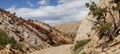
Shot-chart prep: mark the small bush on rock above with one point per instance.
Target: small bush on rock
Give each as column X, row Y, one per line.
column 80, row 44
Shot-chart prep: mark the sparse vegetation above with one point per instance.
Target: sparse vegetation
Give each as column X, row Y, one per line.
column 83, row 52
column 38, row 47
column 109, row 29
column 104, row 30
column 105, row 27
column 101, row 13
column 4, row 40
column 17, row 46
column 117, row 1
column 1, row 47
column 117, row 7
column 80, row 44
column 59, row 43
column 14, row 13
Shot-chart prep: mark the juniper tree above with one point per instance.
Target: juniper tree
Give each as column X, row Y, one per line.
column 109, row 29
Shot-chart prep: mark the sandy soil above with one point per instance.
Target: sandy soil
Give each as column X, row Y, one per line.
column 63, row 49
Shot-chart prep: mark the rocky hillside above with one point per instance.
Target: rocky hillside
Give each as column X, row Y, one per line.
column 99, row 33
column 68, row 28
column 54, row 30
column 29, row 33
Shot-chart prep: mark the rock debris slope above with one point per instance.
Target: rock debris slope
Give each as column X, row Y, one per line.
column 30, row 34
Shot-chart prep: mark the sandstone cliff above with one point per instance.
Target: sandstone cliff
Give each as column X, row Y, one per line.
column 100, row 44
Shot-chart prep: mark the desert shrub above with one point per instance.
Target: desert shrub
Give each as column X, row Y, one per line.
column 39, row 47
column 1, row 47
column 99, row 11
column 116, row 7
column 117, row 1
column 59, row 43
column 81, row 44
column 104, row 30
column 74, row 52
column 17, row 46
column 83, row 52
column 104, row 27
column 49, row 38
column 45, row 32
column 4, row 40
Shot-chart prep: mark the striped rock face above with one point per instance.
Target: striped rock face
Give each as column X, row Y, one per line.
column 31, row 34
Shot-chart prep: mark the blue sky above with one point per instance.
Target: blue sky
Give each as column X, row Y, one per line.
column 48, row 11
column 24, row 3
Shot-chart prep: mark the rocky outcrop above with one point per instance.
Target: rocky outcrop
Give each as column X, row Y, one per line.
column 54, row 31
column 87, row 30
column 30, row 34
column 68, row 28
column 22, row 32
column 9, row 50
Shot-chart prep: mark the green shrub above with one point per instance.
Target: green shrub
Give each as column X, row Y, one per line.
column 17, row 46
column 104, row 27
column 96, row 11
column 4, row 40
column 83, row 52
column 38, row 47
column 117, row 1
column 117, row 7
column 59, row 43
column 80, row 44
column 1, row 47
column 87, row 5
column 74, row 52
column 99, row 11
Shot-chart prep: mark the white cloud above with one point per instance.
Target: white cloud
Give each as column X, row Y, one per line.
column 43, row 2
column 12, row 9
column 29, row 3
column 65, row 11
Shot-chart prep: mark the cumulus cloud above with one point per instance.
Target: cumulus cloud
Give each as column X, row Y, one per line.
column 43, row 2
column 29, row 3
column 65, row 11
